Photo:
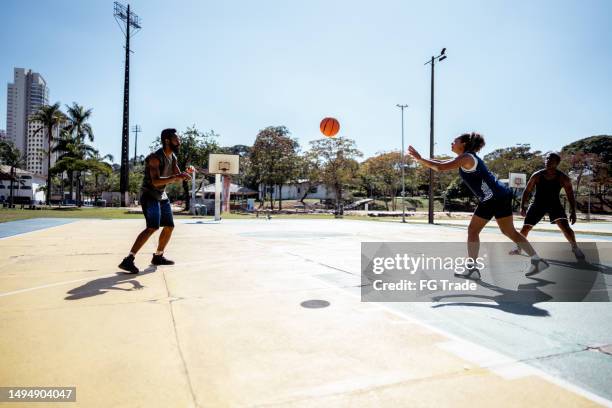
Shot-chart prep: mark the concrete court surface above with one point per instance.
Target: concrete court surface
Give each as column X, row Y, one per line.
column 227, row 326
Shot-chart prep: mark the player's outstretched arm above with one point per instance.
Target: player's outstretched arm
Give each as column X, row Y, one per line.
column 464, row 160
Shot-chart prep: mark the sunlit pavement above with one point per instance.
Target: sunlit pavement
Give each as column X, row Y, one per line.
column 267, row 312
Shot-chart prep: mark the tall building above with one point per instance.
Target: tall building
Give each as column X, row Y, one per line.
column 2, row 134
column 35, row 155
column 25, row 96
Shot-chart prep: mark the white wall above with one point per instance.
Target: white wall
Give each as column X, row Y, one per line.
column 296, row 191
column 28, row 188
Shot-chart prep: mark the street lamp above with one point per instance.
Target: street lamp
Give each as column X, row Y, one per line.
column 402, row 107
column 432, row 61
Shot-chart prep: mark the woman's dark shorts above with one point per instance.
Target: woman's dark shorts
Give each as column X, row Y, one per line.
column 498, row 207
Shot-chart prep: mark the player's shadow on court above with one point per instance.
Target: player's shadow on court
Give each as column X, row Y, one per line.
column 102, row 285
column 583, row 265
column 520, row 301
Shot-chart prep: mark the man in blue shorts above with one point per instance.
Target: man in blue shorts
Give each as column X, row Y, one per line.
column 161, row 169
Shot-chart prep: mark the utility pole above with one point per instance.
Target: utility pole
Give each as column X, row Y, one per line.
column 136, row 129
column 126, row 20
column 440, row 57
column 402, row 107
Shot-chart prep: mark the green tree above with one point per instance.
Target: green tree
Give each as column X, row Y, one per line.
column 441, row 179
column 383, row 175
column 245, row 177
column 274, row 158
column 308, row 173
column 591, row 156
column 336, row 160
column 80, row 130
column 74, row 158
column 600, row 145
column 457, row 190
column 100, row 166
column 515, row 159
column 51, row 117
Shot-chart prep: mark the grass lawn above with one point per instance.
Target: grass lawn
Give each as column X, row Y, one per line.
column 14, row 214
column 120, row 213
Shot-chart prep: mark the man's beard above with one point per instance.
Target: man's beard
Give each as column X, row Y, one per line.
column 174, row 148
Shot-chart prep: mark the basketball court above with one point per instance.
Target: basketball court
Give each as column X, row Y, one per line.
column 268, row 313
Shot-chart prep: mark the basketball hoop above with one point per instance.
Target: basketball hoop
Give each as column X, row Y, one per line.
column 517, row 180
column 224, row 166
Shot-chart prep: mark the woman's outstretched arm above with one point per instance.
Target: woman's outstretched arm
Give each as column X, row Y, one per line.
column 463, row 160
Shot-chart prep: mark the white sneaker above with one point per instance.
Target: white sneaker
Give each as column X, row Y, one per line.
column 537, row 266
column 467, row 274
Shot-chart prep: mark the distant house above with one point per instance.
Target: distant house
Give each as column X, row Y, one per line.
column 236, row 191
column 113, row 199
column 295, row 191
column 26, row 186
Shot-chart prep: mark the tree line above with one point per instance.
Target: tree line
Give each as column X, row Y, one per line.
column 276, row 159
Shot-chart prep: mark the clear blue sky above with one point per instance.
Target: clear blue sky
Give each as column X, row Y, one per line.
column 537, row 72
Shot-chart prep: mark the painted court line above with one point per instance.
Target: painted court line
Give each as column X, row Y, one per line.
column 494, row 361
column 512, row 366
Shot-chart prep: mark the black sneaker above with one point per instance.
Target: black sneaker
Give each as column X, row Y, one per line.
column 128, row 265
column 161, row 260
column 578, row 253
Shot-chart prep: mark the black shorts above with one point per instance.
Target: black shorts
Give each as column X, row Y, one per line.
column 494, row 207
column 535, row 212
column 157, row 213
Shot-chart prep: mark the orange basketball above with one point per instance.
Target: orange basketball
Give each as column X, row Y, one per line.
column 330, row 127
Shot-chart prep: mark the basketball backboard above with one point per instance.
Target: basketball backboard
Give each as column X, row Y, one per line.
column 223, row 164
column 517, row 180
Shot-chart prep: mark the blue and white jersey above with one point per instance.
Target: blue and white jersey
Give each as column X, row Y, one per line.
column 482, row 182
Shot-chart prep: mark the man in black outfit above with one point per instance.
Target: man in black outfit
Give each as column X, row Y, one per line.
column 547, row 183
column 161, row 169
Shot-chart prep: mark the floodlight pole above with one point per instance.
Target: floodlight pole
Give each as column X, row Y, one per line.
column 402, row 107
column 130, row 20
column 440, row 57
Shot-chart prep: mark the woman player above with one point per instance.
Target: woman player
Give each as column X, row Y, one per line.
column 494, row 199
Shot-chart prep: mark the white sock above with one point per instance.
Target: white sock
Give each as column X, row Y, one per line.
column 159, row 253
column 132, row 254
column 536, row 258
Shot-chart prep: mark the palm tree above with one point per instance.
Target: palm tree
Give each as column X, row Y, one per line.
column 80, row 129
column 78, row 126
column 50, row 116
column 62, row 148
column 11, row 156
column 74, row 157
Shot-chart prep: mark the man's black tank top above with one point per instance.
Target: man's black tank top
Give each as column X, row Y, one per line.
column 547, row 190
column 166, row 169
